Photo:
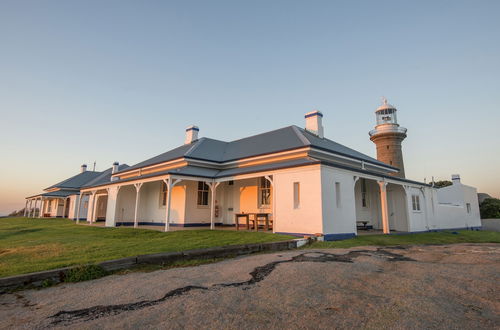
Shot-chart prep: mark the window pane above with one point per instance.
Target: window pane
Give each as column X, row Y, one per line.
column 296, row 195
column 337, row 193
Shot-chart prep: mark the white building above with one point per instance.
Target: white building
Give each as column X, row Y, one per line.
column 303, row 182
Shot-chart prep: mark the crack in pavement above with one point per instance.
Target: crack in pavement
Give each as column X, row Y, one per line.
column 257, row 275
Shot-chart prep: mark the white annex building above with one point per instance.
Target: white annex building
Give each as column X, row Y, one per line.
column 291, row 180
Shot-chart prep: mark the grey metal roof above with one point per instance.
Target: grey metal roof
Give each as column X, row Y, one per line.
column 337, row 148
column 57, row 193
column 77, row 181
column 267, row 167
column 104, row 177
column 283, row 139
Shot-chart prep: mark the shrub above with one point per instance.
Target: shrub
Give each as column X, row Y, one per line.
column 47, row 283
column 490, row 208
column 85, row 273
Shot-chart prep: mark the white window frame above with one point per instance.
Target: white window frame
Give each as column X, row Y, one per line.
column 364, row 194
column 203, row 191
column 264, row 187
column 338, row 197
column 415, row 202
column 296, row 195
column 468, row 206
column 163, row 194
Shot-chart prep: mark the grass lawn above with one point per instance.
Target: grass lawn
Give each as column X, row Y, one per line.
column 443, row 237
column 30, row 245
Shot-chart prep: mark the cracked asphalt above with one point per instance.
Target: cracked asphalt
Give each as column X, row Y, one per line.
column 432, row 287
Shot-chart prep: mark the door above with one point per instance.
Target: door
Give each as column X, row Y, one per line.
column 66, row 210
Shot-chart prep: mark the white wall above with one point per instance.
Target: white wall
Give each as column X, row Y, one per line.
column 307, row 218
column 125, row 204
column 195, row 213
column 451, row 207
column 338, row 218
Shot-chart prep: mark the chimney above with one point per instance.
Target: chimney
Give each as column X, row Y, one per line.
column 83, row 168
column 191, row 134
column 314, row 123
column 455, row 178
column 115, row 168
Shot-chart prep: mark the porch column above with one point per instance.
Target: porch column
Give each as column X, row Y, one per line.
column 94, row 207
column 90, row 210
column 111, row 206
column 29, row 207
column 213, row 188
column 170, row 185
column 79, row 205
column 26, row 209
column 273, row 199
column 425, row 208
column 383, row 203
column 137, row 196
column 34, row 208
column 64, row 208
column 40, row 213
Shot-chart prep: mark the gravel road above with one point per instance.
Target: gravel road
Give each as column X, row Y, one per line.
column 419, row 287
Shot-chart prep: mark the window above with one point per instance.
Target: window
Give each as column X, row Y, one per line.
column 337, row 193
column 163, row 194
column 364, row 201
column 468, row 207
column 415, row 201
column 49, row 206
column 230, row 183
column 85, row 205
column 296, row 195
column 264, row 192
column 202, row 193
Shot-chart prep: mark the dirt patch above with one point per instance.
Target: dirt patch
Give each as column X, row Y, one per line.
column 419, row 287
column 257, row 275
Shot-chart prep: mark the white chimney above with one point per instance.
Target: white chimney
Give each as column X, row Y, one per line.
column 83, row 168
column 455, row 178
column 314, row 123
column 115, row 168
column 191, row 134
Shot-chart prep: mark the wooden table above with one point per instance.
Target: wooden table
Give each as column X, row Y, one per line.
column 237, row 216
column 256, row 217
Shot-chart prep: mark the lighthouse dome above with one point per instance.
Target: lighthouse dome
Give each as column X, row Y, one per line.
column 385, row 105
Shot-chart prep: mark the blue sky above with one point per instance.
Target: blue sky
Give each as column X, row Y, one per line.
column 120, row 80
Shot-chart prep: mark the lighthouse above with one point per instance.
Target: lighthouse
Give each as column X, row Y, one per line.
column 388, row 137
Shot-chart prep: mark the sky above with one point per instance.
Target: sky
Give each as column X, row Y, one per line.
column 105, row 81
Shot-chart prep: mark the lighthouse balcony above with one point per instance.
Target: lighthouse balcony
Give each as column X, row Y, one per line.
column 388, row 129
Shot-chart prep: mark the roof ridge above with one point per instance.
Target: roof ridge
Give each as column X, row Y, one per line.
column 195, row 146
column 301, row 136
column 251, row 136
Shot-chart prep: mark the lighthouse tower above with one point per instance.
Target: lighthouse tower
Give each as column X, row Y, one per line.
column 388, row 136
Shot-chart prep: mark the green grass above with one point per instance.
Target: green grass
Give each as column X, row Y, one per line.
column 443, row 237
column 30, row 245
